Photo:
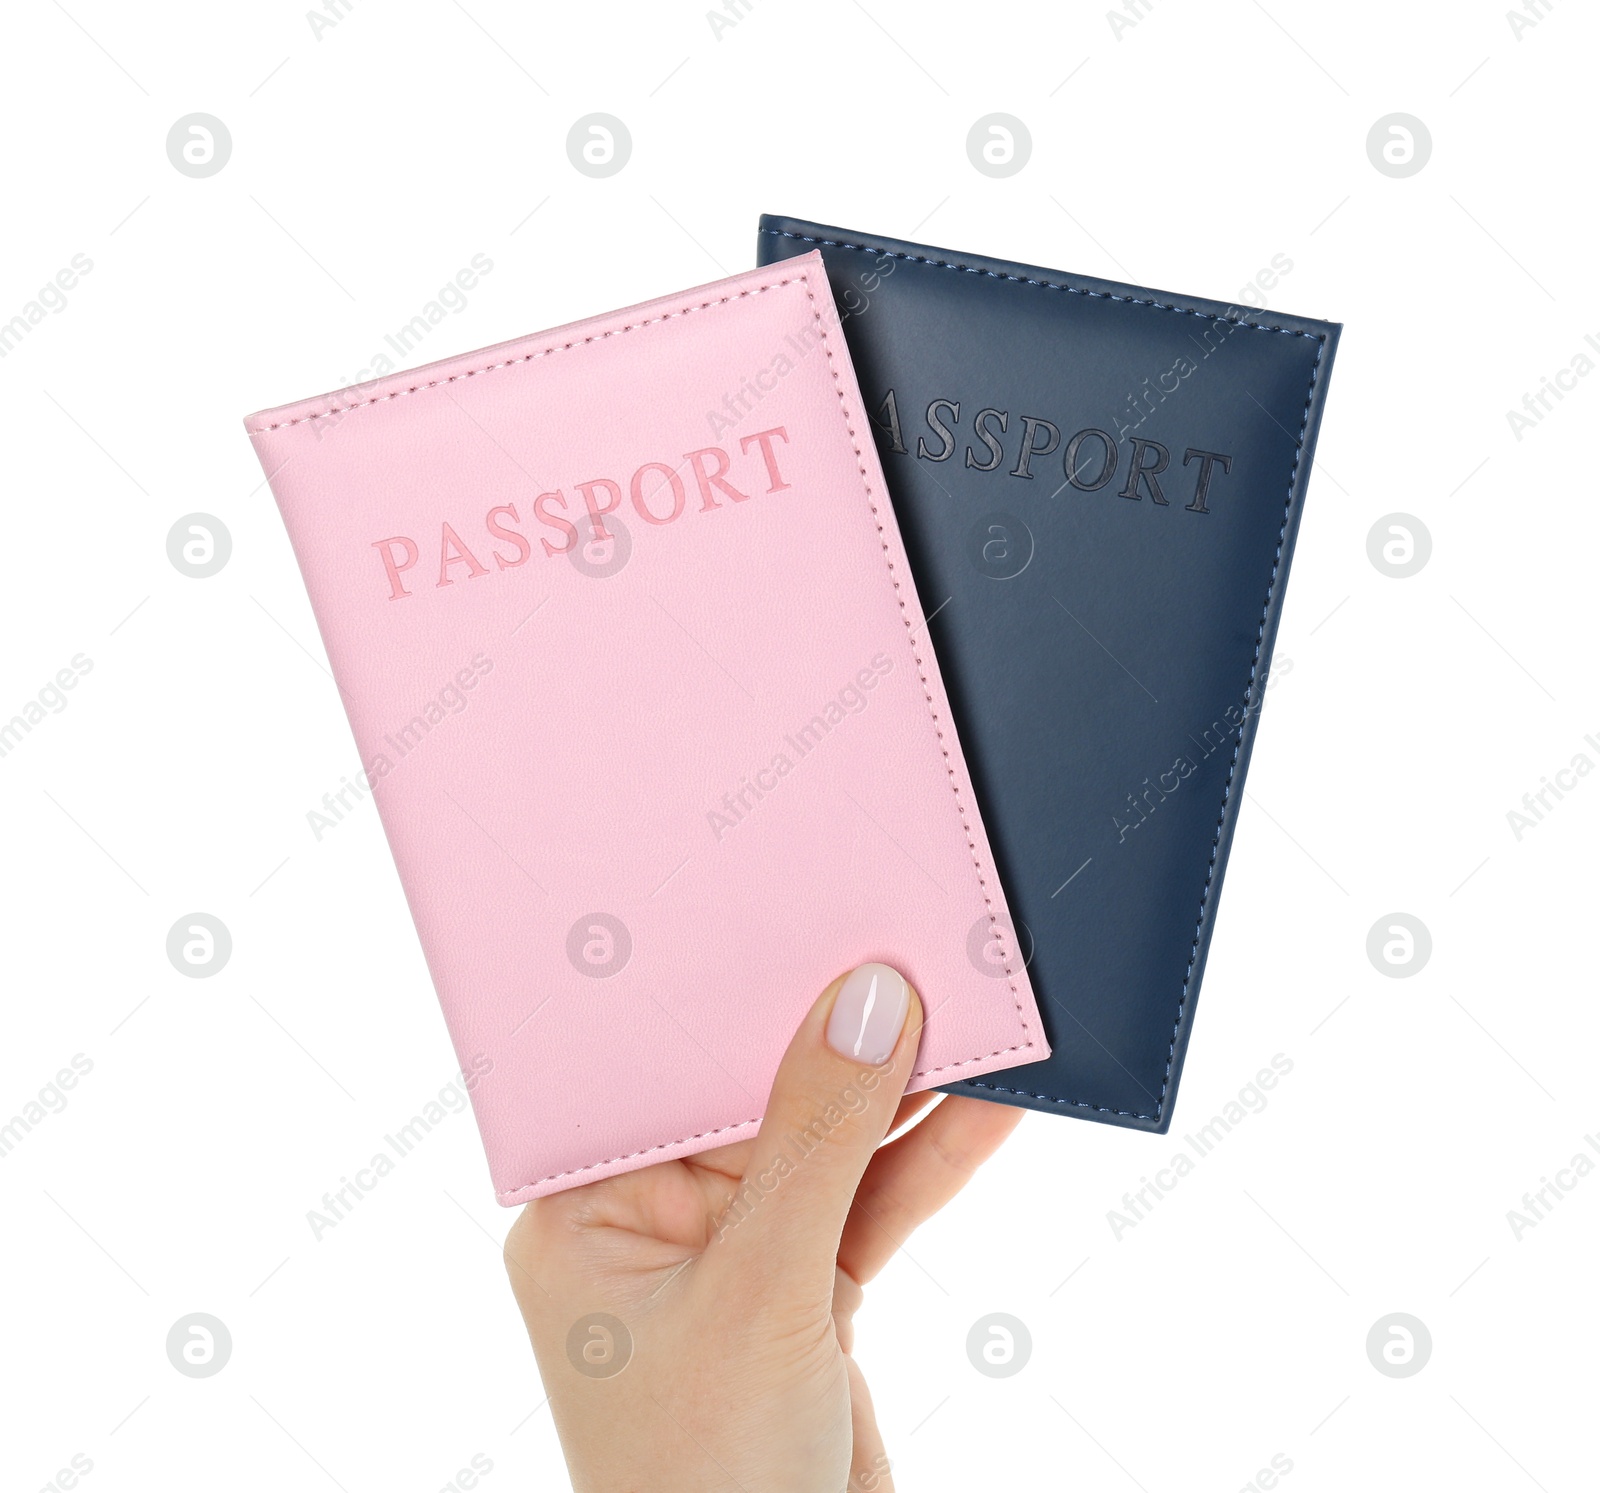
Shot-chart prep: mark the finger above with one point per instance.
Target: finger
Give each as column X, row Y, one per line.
column 910, row 1107
column 832, row 1101
column 869, row 1462
column 911, row 1178
column 847, row 1299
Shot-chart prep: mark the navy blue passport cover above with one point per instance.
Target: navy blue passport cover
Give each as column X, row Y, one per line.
column 1099, row 487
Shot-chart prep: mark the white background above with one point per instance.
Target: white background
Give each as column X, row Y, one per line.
column 369, row 165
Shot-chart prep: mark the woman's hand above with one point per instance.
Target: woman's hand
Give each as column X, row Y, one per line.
column 693, row 1320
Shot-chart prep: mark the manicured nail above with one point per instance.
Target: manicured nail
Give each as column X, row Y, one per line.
column 868, row 1013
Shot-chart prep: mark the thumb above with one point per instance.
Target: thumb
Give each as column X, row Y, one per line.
column 832, row 1102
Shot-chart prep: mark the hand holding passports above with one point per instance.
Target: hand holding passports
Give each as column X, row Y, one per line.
column 709, row 761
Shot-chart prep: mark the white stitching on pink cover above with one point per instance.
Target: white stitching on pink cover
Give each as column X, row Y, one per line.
column 927, row 695
column 513, row 1193
column 558, row 347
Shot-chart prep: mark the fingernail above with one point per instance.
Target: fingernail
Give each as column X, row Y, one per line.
column 868, row 1013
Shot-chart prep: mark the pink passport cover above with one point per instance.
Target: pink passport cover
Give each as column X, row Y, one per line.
column 648, row 798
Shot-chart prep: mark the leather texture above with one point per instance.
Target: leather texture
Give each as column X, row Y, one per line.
column 647, row 793
column 1105, row 638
